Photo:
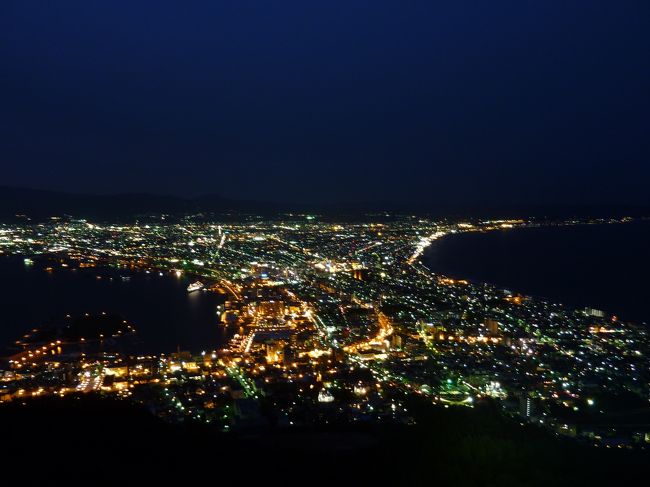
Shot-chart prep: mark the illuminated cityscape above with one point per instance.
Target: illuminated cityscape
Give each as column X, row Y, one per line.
column 324, row 242
column 329, row 323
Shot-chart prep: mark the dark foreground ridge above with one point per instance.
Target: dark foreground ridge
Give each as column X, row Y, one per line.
column 81, row 436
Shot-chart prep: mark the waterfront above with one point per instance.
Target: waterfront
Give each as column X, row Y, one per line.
column 165, row 316
column 601, row 266
column 324, row 312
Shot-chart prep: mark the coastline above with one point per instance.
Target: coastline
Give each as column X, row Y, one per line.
column 475, row 256
column 466, row 255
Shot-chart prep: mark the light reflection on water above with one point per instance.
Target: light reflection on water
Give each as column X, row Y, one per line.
column 165, row 315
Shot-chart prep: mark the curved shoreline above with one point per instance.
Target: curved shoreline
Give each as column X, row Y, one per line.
column 531, row 288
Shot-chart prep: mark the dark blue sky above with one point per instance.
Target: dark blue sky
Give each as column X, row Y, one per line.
column 437, row 102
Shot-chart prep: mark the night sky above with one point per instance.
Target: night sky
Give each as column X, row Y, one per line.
column 423, row 102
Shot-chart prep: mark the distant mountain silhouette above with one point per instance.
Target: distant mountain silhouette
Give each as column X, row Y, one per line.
column 42, row 203
column 39, row 204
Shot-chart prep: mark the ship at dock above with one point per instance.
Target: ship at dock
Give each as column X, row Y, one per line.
column 195, row 286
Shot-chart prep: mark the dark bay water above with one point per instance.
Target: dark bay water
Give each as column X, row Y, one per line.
column 159, row 307
column 602, row 266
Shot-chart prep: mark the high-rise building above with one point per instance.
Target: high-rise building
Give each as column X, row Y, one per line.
column 526, row 406
column 275, row 351
column 492, row 326
column 595, row 312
